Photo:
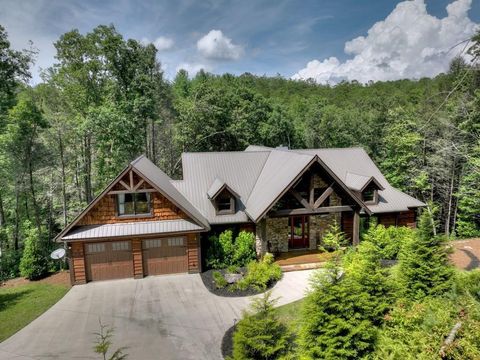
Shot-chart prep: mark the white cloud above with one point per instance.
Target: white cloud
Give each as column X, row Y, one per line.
column 192, row 68
column 409, row 43
column 215, row 45
column 161, row 43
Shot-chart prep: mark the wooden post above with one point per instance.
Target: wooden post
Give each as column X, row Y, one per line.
column 356, row 227
column 137, row 258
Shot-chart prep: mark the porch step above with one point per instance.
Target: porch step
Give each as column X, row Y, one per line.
column 299, row 267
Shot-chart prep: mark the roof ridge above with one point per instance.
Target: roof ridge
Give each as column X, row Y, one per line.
column 225, row 152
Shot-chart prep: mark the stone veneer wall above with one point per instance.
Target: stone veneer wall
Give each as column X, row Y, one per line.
column 272, row 233
column 277, row 234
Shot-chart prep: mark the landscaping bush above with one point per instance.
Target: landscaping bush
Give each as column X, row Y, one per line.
column 260, row 335
column 244, row 248
column 220, row 250
column 333, row 238
column 389, row 240
column 220, row 281
column 424, row 268
column 10, row 264
column 223, row 251
column 35, row 262
column 260, row 274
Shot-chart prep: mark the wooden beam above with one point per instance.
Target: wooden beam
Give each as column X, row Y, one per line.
column 356, row 227
column 300, row 199
column 323, row 197
column 113, row 192
column 321, row 210
column 125, row 185
column 312, row 191
column 131, row 179
column 138, row 185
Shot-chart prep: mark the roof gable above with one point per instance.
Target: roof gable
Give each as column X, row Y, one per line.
column 159, row 181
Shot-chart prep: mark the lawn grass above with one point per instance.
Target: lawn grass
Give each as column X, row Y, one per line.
column 20, row 305
column 289, row 315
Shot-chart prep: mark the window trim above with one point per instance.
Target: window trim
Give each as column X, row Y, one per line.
column 229, row 211
column 373, row 201
column 135, row 215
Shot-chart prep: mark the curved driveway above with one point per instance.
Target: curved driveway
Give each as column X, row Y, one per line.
column 162, row 317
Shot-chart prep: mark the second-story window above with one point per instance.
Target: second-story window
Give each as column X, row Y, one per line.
column 133, row 204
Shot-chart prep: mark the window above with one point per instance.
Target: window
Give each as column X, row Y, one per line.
column 370, row 196
column 152, row 243
column 133, row 203
column 225, row 203
column 176, row 241
column 121, row 245
column 96, row 248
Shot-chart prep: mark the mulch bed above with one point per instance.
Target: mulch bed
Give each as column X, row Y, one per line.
column 58, row 278
column 207, row 278
column 466, row 254
column 227, row 342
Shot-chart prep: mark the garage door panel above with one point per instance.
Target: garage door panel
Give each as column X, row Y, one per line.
column 165, row 256
column 107, row 261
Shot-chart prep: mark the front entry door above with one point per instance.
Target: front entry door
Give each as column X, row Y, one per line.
column 298, row 232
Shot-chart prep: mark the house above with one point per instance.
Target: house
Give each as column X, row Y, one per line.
column 145, row 223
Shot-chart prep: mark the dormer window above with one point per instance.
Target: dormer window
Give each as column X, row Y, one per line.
column 132, row 204
column 225, row 203
column 370, row 196
column 222, row 196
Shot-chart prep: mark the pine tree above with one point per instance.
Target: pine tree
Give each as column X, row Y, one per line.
column 424, row 269
column 260, row 335
column 334, row 322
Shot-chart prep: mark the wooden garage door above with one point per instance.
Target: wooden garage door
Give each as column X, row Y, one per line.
column 109, row 260
column 165, row 256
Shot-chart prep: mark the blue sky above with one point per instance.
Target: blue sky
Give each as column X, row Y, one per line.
column 262, row 37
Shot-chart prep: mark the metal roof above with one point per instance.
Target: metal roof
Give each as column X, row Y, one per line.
column 238, row 169
column 356, row 160
column 356, row 182
column 132, row 229
column 162, row 182
column 277, row 176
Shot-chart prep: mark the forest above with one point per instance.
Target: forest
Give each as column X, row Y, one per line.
column 105, row 101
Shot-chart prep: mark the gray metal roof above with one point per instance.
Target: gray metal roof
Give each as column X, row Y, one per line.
column 216, row 187
column 162, row 182
column 238, row 169
column 356, row 160
column 277, row 176
column 132, row 229
column 356, row 182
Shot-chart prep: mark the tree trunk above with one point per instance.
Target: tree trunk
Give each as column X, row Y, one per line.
column 87, row 163
column 2, row 213
column 450, row 199
column 32, row 192
column 16, row 228
column 64, row 190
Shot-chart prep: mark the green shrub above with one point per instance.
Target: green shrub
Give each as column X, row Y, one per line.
column 388, row 240
column 333, row 238
column 334, row 322
column 223, row 251
column 9, row 264
column 424, row 267
column 220, row 250
column 260, row 274
column 35, row 262
column 232, row 269
column 220, row 281
column 418, row 330
column 260, row 335
column 244, row 248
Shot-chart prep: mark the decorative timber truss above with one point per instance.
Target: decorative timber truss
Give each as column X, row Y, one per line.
column 131, row 183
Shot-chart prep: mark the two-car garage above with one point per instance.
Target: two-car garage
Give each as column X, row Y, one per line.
column 109, row 260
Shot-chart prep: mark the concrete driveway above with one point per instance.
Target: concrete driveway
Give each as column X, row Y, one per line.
column 162, row 317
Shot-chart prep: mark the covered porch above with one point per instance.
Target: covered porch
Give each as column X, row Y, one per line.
column 302, row 259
